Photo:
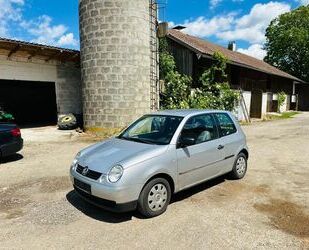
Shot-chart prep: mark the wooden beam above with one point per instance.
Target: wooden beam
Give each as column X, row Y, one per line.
column 14, row 50
column 71, row 58
column 34, row 53
column 58, row 53
column 75, row 55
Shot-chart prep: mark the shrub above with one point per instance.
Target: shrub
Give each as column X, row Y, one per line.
column 214, row 91
column 215, row 87
column 281, row 99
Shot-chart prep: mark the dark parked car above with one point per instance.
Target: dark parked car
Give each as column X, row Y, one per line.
column 10, row 139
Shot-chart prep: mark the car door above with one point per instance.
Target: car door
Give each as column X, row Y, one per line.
column 230, row 139
column 203, row 159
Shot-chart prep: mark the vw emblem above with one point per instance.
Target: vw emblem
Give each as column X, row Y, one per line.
column 85, row 171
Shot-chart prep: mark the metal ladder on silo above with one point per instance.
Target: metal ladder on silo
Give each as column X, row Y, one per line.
column 154, row 60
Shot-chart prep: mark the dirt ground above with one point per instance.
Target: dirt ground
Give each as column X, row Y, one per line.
column 268, row 209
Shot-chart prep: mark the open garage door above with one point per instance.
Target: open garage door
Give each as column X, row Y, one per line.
column 31, row 103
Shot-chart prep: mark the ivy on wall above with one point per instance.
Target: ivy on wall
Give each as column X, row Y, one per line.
column 214, row 91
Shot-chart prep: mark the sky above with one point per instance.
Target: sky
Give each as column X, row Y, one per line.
column 220, row 21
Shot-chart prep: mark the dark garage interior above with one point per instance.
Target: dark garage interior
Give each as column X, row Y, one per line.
column 31, row 103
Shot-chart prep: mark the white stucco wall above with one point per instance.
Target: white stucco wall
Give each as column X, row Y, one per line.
column 66, row 78
column 240, row 112
column 264, row 104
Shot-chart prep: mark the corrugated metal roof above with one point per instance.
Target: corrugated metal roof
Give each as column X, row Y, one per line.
column 204, row 47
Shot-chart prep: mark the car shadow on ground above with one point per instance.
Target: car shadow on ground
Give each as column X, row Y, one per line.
column 178, row 197
column 110, row 217
column 96, row 212
column 11, row 158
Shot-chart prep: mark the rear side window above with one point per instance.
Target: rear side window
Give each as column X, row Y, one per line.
column 226, row 124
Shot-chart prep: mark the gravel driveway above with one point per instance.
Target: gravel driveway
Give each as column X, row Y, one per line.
column 268, row 209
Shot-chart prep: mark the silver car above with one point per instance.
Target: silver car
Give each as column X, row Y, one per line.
column 158, row 155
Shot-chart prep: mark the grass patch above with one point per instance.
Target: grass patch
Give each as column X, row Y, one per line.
column 243, row 123
column 284, row 115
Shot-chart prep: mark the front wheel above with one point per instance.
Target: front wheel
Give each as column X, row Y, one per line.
column 154, row 198
column 240, row 167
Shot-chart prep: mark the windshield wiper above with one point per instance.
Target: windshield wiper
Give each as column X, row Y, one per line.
column 136, row 139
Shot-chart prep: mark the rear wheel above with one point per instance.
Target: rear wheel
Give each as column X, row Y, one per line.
column 240, row 167
column 154, row 198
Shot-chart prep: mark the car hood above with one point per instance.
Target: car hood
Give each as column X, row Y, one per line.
column 102, row 156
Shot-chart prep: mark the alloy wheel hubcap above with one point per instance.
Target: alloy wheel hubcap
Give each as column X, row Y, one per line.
column 157, row 197
column 241, row 165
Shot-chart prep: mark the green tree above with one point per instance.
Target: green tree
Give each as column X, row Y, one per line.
column 287, row 43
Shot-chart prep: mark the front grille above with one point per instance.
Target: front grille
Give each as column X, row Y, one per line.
column 91, row 174
column 95, row 200
column 82, row 185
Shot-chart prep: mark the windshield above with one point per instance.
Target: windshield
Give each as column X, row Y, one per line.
column 152, row 129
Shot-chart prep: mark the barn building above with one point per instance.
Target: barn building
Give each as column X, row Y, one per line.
column 258, row 81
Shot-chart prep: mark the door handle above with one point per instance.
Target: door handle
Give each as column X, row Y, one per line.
column 220, row 147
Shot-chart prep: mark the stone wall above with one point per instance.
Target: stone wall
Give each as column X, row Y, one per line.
column 242, row 110
column 115, row 61
column 68, row 89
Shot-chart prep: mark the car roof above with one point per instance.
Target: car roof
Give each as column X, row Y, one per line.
column 186, row 112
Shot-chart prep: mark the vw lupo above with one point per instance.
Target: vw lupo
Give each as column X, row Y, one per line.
column 158, row 155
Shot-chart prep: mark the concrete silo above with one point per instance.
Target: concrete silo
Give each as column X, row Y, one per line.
column 116, row 61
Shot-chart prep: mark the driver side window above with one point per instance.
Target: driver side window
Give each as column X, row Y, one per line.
column 200, row 128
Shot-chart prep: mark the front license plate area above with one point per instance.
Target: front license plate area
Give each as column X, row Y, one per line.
column 82, row 185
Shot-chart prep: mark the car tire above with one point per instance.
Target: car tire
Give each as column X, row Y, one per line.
column 240, row 167
column 67, row 122
column 154, row 198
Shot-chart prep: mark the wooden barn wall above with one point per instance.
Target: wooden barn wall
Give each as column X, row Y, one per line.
column 183, row 58
column 249, row 79
column 188, row 63
column 281, row 84
column 302, row 91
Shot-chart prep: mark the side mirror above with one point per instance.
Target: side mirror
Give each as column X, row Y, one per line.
column 186, row 141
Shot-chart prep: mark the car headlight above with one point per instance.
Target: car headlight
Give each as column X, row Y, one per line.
column 75, row 161
column 115, row 173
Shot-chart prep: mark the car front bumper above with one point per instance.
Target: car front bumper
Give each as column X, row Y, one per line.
column 106, row 204
column 109, row 197
column 11, row 147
